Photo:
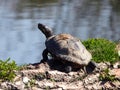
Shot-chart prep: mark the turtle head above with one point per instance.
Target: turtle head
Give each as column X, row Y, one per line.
column 45, row 30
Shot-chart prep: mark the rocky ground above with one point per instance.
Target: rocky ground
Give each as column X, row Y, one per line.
column 40, row 76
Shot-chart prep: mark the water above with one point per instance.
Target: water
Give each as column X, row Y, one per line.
column 23, row 42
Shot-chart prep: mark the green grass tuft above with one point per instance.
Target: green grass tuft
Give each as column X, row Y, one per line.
column 105, row 76
column 102, row 50
column 7, row 70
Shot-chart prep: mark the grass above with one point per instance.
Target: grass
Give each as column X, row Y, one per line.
column 102, row 50
column 105, row 76
column 7, row 70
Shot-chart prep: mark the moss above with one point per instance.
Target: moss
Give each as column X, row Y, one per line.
column 102, row 50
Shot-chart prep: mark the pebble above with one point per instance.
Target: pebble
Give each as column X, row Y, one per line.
column 116, row 65
column 26, row 80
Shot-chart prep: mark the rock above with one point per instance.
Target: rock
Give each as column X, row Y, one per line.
column 107, row 85
column 3, row 85
column 115, row 72
column 116, row 65
column 17, row 78
column 43, row 67
column 90, row 79
column 56, row 80
column 26, row 80
column 102, row 66
column 8, row 86
column 20, row 85
column 111, row 85
column 116, row 84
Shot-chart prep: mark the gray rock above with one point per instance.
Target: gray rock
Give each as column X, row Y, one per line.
column 8, row 86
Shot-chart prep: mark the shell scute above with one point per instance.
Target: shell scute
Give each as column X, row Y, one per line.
column 68, row 48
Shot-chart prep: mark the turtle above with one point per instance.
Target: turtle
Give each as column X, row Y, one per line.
column 65, row 48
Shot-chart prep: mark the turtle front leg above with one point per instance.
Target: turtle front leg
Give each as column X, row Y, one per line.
column 91, row 67
column 45, row 56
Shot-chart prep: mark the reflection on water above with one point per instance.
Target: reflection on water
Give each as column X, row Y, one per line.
column 89, row 18
column 23, row 42
column 19, row 36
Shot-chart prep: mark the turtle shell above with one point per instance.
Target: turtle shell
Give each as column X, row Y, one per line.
column 68, row 48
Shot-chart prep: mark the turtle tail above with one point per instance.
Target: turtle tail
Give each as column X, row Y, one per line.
column 45, row 30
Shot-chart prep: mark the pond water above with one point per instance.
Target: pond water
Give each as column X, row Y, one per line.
column 23, row 42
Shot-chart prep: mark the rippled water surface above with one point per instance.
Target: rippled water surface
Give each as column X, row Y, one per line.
column 23, row 42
